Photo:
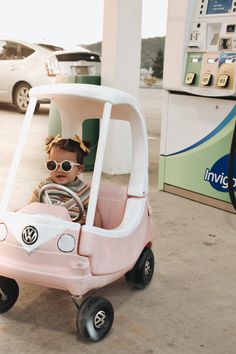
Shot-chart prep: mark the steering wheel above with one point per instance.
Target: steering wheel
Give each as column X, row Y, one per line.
column 49, row 192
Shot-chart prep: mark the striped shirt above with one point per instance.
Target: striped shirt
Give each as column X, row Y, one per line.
column 78, row 186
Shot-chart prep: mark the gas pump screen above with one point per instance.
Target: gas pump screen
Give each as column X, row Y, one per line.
column 215, row 7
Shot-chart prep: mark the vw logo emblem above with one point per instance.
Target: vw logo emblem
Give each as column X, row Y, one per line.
column 29, row 235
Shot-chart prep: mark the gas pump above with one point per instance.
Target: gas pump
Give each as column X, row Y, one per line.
column 199, row 103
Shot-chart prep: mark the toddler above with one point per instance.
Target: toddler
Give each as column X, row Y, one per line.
column 65, row 163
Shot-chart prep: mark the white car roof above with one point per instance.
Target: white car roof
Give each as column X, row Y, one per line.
column 65, row 47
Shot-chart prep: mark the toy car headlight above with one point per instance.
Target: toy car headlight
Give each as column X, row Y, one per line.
column 3, row 231
column 66, row 243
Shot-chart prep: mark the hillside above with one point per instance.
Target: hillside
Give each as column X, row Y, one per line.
column 150, row 47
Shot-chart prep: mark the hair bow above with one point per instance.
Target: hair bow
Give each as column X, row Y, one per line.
column 58, row 138
column 80, row 141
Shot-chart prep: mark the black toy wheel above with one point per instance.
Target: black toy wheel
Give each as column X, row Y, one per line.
column 142, row 272
column 94, row 318
column 9, row 292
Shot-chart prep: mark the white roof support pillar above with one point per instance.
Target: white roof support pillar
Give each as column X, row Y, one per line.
column 121, row 53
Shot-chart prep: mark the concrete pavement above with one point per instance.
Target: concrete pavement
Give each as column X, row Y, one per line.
column 189, row 307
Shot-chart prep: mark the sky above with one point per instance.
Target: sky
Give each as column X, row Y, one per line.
column 70, row 21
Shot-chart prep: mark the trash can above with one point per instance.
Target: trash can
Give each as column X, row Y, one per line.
column 90, row 127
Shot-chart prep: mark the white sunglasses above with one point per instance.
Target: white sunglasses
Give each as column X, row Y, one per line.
column 66, row 165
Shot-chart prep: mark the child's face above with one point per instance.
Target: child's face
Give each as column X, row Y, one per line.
column 58, row 176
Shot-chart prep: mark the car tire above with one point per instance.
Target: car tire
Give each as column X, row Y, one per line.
column 9, row 292
column 94, row 318
column 21, row 98
column 142, row 272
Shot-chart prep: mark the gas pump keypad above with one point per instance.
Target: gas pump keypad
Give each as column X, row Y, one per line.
column 210, row 45
column 189, row 79
column 206, row 79
column 223, row 80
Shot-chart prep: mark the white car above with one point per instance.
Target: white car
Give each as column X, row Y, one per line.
column 24, row 65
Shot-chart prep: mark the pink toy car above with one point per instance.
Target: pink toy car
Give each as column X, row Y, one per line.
column 40, row 244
